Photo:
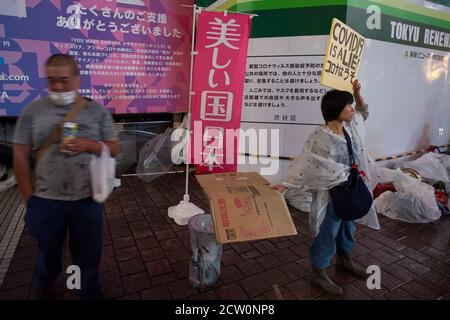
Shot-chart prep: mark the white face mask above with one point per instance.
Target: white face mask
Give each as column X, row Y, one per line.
column 63, row 98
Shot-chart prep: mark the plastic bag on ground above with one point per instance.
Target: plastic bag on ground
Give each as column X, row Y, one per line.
column 383, row 201
column 414, row 201
column 430, row 168
column 387, row 175
column 445, row 161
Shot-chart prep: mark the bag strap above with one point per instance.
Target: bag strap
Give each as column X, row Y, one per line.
column 349, row 147
column 55, row 134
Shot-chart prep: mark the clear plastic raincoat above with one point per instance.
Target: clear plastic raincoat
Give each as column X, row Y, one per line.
column 325, row 163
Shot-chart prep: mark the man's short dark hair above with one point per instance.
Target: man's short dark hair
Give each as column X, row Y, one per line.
column 333, row 102
column 60, row 59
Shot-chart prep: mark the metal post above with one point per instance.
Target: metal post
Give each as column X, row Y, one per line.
column 185, row 210
column 194, row 21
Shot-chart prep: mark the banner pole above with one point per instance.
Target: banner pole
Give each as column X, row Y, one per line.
column 191, row 76
column 182, row 212
column 224, row 11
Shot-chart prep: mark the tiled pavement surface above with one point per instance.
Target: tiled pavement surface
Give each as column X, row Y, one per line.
column 11, row 226
column 146, row 255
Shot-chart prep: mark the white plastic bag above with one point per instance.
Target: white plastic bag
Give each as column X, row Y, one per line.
column 383, row 201
column 430, row 168
column 103, row 172
column 414, row 201
column 387, row 175
column 445, row 161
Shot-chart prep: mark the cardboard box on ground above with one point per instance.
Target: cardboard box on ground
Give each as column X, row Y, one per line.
column 245, row 207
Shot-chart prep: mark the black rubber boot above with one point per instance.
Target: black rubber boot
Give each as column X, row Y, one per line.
column 345, row 263
column 320, row 278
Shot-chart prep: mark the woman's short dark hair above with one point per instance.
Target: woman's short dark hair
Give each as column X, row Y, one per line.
column 333, row 102
column 60, row 59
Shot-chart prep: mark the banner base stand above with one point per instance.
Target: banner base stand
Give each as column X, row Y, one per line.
column 182, row 212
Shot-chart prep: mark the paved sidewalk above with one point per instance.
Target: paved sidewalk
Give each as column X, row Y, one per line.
column 146, row 255
column 11, row 226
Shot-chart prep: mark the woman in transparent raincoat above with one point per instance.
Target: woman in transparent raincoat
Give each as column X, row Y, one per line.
column 323, row 164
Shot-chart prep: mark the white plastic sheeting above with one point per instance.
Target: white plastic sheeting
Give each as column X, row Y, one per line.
column 314, row 170
column 414, row 201
column 430, row 167
column 299, row 199
column 155, row 157
column 386, row 175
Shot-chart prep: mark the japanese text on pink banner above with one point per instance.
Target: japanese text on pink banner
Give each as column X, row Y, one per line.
column 219, row 73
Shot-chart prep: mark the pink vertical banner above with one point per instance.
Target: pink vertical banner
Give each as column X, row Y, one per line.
column 218, row 85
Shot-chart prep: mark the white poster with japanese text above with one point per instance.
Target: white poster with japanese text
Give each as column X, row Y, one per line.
column 283, row 89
